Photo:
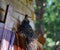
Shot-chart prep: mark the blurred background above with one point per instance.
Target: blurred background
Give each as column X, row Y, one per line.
column 49, row 13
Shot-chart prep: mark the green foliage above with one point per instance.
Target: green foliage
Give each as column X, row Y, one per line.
column 51, row 22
